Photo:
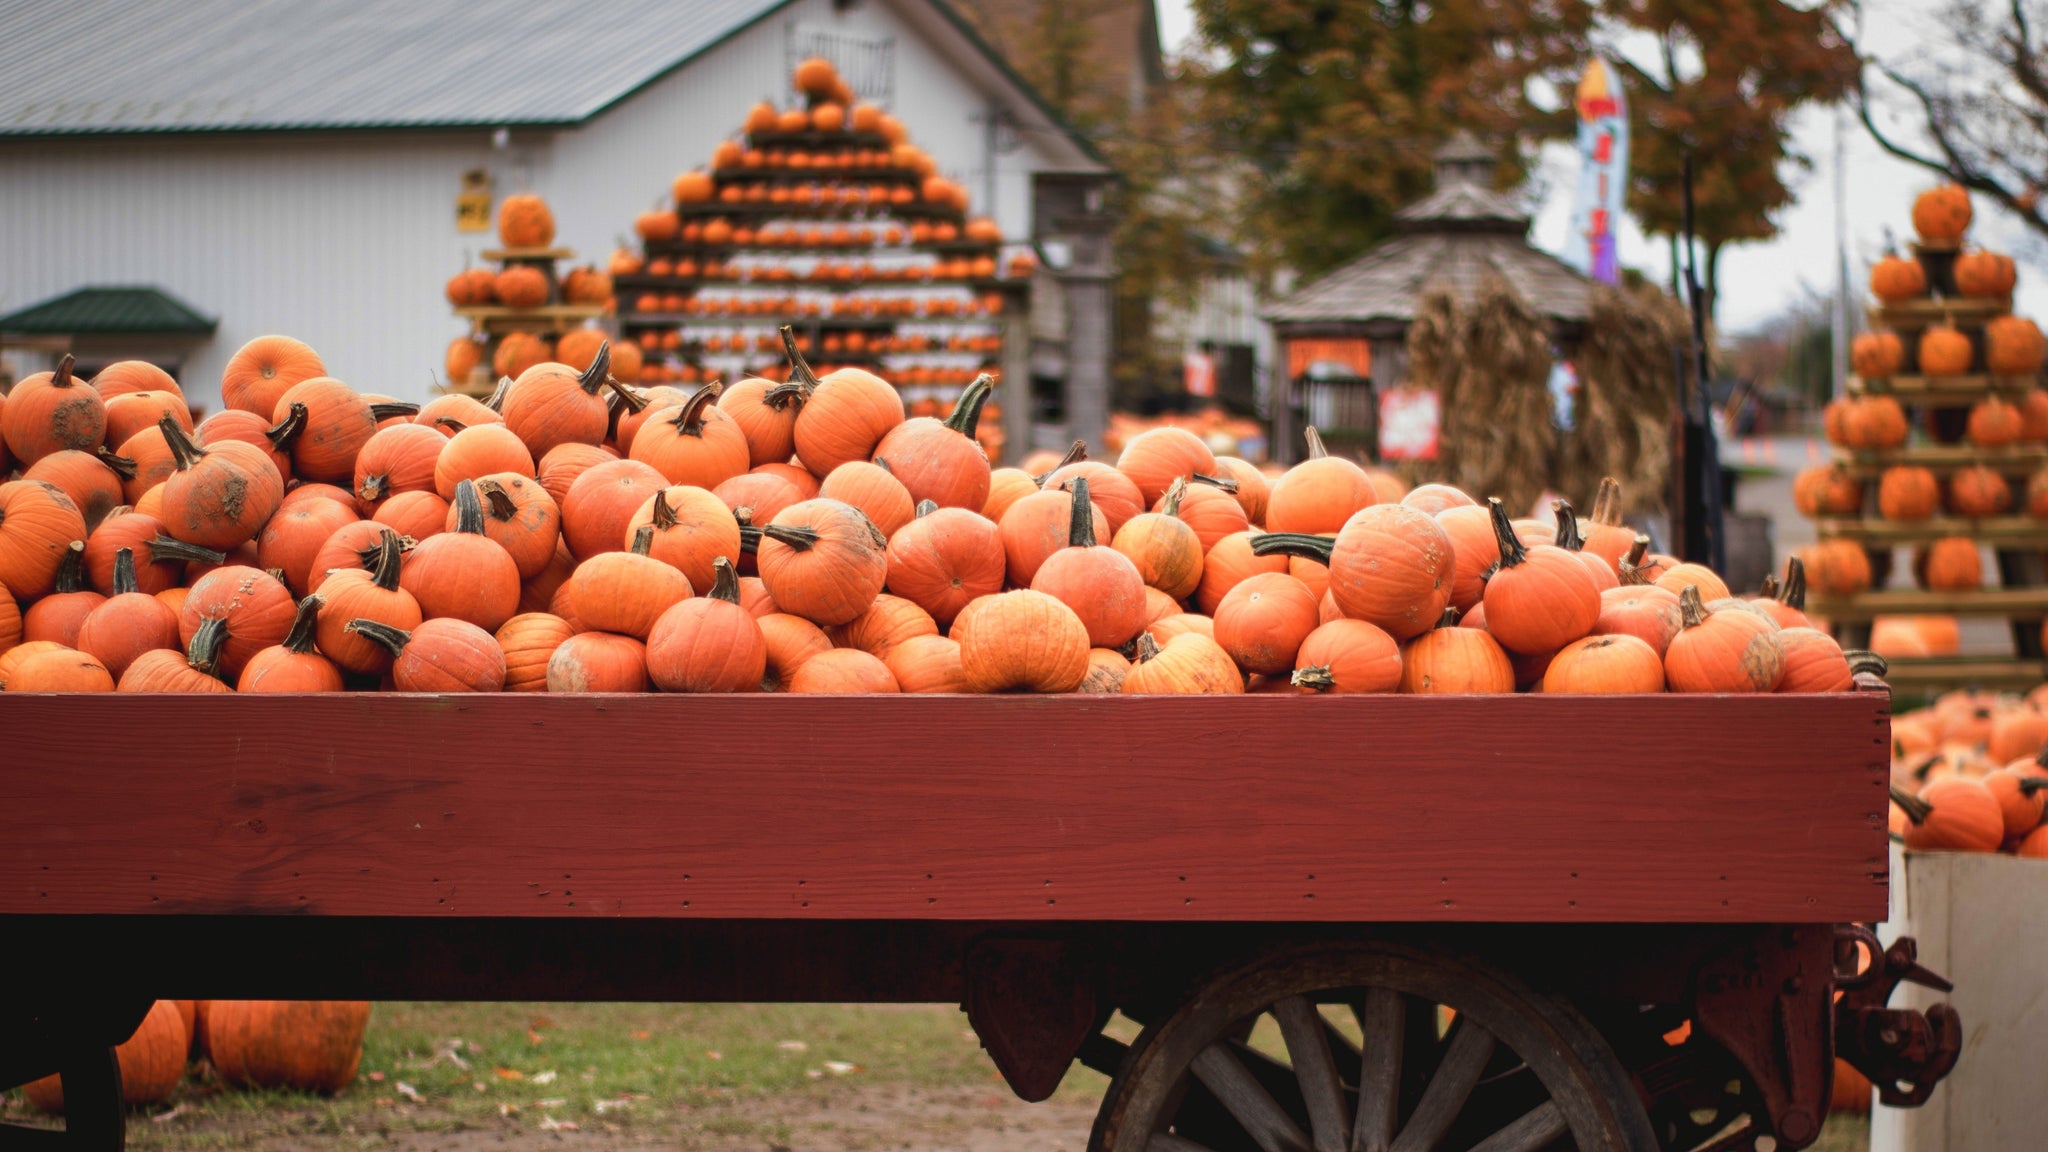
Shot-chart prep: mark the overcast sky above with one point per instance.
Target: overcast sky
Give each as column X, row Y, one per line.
column 1758, row 281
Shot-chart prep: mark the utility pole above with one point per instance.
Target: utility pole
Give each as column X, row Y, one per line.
column 1838, row 345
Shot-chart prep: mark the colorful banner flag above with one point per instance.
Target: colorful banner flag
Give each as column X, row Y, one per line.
column 1603, row 172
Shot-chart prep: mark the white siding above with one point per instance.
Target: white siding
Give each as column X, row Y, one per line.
column 345, row 241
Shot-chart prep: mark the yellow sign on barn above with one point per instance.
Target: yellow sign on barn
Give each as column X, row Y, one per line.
column 473, row 203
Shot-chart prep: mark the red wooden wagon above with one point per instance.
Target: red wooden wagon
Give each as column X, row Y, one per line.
column 1575, row 877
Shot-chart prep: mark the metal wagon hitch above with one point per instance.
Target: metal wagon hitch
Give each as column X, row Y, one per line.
column 1905, row 1052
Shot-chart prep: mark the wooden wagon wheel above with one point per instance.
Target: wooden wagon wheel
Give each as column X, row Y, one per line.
column 94, row 1120
column 1516, row 1070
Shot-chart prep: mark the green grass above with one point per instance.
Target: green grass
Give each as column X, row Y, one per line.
column 678, row 1075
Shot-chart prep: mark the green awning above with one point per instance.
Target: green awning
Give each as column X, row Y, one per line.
column 109, row 311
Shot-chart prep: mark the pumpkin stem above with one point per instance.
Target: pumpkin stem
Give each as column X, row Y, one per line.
column 725, row 583
column 1916, row 809
column 497, row 401
column 632, row 399
column 689, row 419
column 1511, row 550
column 1769, row 590
column 449, row 422
column 1220, row 483
column 164, row 548
column 388, row 409
column 1169, row 504
column 1794, row 594
column 1080, row 516
column 643, row 540
column 1861, row 662
column 1449, row 619
column 1316, row 451
column 1076, row 452
column 1632, row 561
column 1691, row 608
column 1317, row 678
column 802, row 381
column 796, row 536
column 1607, row 504
column 502, row 506
column 204, row 651
column 299, row 640
column 926, row 508
column 664, row 512
column 599, row 371
column 391, row 639
column 287, row 431
column 1146, row 649
column 1568, row 537
column 61, row 378
column 121, row 466
column 2032, row 785
column 372, row 488
column 124, row 571
column 71, row 569
column 966, row 415
column 750, row 540
column 183, row 450
column 384, row 573
column 1303, row 544
column 469, row 509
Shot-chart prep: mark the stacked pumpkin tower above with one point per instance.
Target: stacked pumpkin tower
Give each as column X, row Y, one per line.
column 1945, row 353
column 521, row 310
column 826, row 219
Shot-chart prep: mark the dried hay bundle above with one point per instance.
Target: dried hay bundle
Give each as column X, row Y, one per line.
column 1431, row 347
column 1497, row 412
column 1626, row 394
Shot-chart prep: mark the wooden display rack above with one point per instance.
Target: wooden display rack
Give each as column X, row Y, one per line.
column 2018, row 541
column 492, row 322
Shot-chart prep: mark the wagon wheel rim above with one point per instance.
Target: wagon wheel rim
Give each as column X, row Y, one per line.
column 1354, row 1061
column 94, row 1120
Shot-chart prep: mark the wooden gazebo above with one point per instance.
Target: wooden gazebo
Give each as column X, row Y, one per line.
column 1343, row 338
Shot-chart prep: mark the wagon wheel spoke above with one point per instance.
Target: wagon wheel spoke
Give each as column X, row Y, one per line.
column 1224, row 1075
column 1301, row 1027
column 1465, row 1057
column 1535, row 1129
column 93, row 1117
column 1382, row 1018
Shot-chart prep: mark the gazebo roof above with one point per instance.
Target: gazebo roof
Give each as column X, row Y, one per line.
column 1453, row 239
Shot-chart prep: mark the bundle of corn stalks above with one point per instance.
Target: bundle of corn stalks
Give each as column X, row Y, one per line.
column 1627, row 366
column 1490, row 361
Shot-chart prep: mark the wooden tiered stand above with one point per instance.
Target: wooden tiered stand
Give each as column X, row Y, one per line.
column 494, row 321
column 2017, row 541
column 709, row 340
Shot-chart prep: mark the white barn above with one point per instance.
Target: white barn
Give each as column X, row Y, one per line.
column 293, row 165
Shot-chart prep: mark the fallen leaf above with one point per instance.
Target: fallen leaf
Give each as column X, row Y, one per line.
column 547, row 1077
column 504, row 1073
column 642, row 1035
column 382, row 1101
column 840, row 1067
column 709, row 1055
column 550, row 1102
column 167, row 1117
column 539, row 1022
column 794, row 1046
column 410, row 1093
column 534, row 1038
column 603, row 1106
column 550, row 1124
column 611, row 1127
column 508, row 1109
column 377, row 1076
column 814, row 1073
column 480, row 1086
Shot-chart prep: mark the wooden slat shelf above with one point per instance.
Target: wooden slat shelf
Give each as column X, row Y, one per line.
column 1941, row 391
column 1928, row 672
column 698, row 283
column 726, row 251
column 771, row 323
column 1947, row 458
column 810, row 141
column 916, row 209
column 1994, row 602
column 502, row 254
column 544, row 312
column 811, row 174
column 1993, row 530
column 1966, row 311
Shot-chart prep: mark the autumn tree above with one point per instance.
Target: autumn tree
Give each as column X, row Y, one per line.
column 1721, row 82
column 1971, row 103
column 1334, row 108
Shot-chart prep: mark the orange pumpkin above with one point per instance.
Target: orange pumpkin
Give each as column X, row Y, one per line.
column 843, row 416
column 1319, row 494
column 624, row 592
column 1347, row 656
column 1021, row 641
column 464, row 573
column 294, row 537
column 769, row 425
column 1115, row 495
column 221, row 496
column 1726, row 651
column 1945, row 351
column 1167, row 552
column 1452, row 660
column 1616, row 663
column 708, row 643
column 1155, row 457
column 1896, row 280
column 1952, row 814
column 1876, row 355
column 1837, row 567
column 1188, row 664
column 874, row 489
column 946, row 558
column 1978, row 491
column 552, row 404
column 50, row 411
column 1813, row 662
column 152, row 1061
column 305, row 1045
column 473, row 453
column 1645, row 611
column 1263, row 622
column 524, row 221
column 823, row 560
column 442, row 655
column 263, row 370
column 1907, row 492
column 1942, row 214
column 2014, row 346
column 1950, row 564
column 602, row 501
column 59, row 669
column 1827, row 490
column 939, row 460
column 1981, row 273
column 1390, row 565
column 598, row 662
column 1994, row 423
column 293, row 664
column 1099, row 583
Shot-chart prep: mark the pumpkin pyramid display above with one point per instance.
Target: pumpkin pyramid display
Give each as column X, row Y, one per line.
column 574, row 534
column 525, row 312
column 825, row 217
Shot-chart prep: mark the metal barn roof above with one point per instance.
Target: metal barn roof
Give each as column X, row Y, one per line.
column 108, row 311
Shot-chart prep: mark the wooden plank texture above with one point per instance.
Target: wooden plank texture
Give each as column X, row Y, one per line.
column 1997, row 531
column 1255, row 808
column 2012, row 602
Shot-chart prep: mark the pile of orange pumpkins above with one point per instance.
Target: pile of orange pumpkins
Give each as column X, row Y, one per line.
column 1970, row 774
column 303, row 1045
column 2013, row 345
column 578, row 534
